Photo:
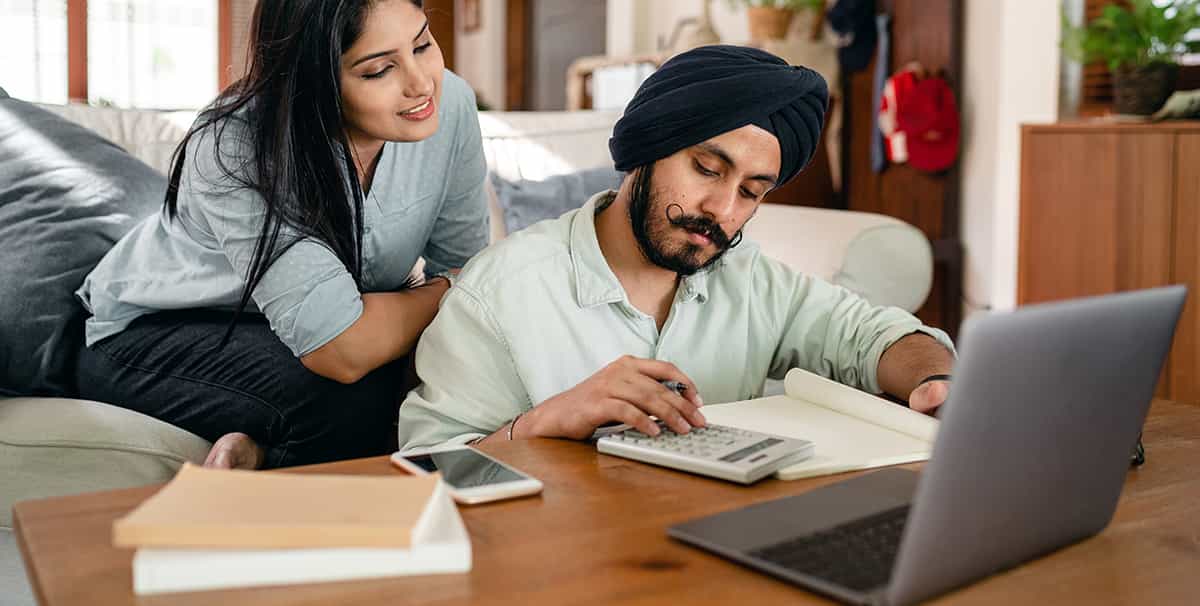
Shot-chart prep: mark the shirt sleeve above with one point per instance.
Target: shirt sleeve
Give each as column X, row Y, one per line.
column 469, row 382
column 461, row 228
column 829, row 330
column 307, row 294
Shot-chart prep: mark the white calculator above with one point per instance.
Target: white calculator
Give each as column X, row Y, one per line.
column 728, row 453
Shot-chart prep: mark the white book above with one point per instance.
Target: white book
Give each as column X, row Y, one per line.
column 850, row 429
column 440, row 544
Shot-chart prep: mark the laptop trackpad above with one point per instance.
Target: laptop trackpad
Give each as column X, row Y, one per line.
column 774, row 521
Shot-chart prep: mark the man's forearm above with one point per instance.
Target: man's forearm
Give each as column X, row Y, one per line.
column 911, row 359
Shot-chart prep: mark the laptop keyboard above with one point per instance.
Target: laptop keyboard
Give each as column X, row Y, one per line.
column 858, row 555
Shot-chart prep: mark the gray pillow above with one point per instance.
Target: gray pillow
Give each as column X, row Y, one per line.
column 66, row 196
column 527, row 202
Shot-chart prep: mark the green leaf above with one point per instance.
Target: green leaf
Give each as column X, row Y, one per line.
column 1142, row 34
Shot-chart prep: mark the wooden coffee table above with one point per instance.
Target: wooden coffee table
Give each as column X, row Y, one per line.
column 597, row 535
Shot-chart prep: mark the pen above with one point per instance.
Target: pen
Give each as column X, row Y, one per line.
column 676, row 386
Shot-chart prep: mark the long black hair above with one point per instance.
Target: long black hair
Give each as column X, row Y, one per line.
column 288, row 115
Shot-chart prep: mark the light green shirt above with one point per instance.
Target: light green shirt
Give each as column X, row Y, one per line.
column 538, row 313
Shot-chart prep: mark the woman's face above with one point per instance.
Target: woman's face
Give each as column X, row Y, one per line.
column 392, row 76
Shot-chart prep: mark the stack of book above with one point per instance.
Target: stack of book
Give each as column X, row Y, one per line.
column 212, row 529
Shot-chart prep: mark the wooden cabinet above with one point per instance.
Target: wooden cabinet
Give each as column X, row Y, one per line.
column 1108, row 207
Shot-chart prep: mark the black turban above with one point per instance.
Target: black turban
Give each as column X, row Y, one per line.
column 711, row 90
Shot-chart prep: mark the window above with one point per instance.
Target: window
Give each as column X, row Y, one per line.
column 33, row 44
column 159, row 54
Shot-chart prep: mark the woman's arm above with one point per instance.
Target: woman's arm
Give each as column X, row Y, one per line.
column 311, row 300
column 388, row 328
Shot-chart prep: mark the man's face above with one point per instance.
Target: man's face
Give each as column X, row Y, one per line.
column 687, row 208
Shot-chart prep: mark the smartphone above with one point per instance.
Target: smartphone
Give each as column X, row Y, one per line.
column 472, row 476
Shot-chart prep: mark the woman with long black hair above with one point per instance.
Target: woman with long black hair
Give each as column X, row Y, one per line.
column 271, row 306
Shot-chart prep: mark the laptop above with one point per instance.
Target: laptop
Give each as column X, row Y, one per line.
column 1034, row 444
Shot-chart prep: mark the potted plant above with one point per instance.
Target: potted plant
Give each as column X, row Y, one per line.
column 769, row 19
column 1141, row 45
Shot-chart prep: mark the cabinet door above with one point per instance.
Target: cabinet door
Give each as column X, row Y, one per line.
column 1096, row 213
column 1096, row 216
column 1185, row 356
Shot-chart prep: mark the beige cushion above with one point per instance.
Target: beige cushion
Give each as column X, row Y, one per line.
column 884, row 259
column 14, row 586
column 536, row 145
column 57, row 446
column 151, row 136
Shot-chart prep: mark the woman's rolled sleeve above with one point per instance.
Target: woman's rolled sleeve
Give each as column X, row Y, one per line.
column 307, row 294
column 311, row 313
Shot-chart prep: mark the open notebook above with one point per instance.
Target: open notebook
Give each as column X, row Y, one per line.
column 851, row 429
column 308, row 528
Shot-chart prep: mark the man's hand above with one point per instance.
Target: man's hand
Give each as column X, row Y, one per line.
column 626, row 391
column 927, row 397
column 911, row 359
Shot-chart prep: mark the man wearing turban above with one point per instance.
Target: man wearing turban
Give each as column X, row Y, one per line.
column 576, row 322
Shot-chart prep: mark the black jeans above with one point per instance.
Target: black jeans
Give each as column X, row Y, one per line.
column 167, row 365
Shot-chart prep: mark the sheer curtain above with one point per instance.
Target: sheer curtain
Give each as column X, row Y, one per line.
column 156, row 54
column 33, row 49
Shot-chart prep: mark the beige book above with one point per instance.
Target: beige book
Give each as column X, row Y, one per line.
column 248, row 509
column 850, row 429
column 440, row 545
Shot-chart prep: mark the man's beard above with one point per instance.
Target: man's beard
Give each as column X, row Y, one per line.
column 653, row 220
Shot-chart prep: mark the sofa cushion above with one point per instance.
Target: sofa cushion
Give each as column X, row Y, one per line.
column 66, row 195
column 14, row 586
column 57, row 446
column 524, row 203
column 150, row 136
column 884, row 259
column 536, row 145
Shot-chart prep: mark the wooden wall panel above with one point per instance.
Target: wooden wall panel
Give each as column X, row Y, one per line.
column 441, row 24
column 77, row 51
column 516, row 70
column 1185, row 357
column 927, row 31
column 224, row 44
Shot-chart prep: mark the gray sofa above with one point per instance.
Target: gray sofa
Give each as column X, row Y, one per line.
column 55, row 446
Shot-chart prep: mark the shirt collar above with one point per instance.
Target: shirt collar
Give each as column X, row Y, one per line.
column 595, row 282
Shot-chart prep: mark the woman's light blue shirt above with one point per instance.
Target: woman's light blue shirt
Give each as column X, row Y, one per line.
column 427, row 200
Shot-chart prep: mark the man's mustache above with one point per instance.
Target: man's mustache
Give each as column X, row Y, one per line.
column 699, row 225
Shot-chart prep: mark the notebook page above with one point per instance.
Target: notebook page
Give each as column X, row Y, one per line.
column 842, row 442
column 809, row 387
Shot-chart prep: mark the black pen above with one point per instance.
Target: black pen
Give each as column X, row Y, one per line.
column 676, row 386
